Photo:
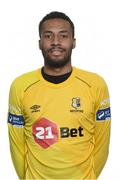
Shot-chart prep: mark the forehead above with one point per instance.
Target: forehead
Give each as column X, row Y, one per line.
column 56, row 25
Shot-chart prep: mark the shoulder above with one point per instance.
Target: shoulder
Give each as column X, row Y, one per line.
column 25, row 80
column 90, row 78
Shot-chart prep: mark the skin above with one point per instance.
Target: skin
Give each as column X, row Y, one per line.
column 56, row 44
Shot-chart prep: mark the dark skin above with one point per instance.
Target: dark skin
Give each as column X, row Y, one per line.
column 56, row 44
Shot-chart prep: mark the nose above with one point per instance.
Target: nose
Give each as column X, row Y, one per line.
column 55, row 40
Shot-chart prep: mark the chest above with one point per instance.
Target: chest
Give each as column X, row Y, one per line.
column 69, row 105
column 52, row 114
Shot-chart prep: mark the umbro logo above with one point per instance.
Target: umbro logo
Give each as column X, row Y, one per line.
column 35, row 108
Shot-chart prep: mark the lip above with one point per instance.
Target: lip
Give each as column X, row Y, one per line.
column 56, row 51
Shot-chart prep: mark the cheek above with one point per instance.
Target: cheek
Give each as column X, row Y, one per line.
column 40, row 45
column 69, row 47
column 68, row 44
column 44, row 45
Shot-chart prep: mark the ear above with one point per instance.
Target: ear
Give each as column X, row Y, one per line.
column 39, row 43
column 74, row 43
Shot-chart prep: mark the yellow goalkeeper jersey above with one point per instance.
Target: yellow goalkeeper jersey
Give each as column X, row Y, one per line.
column 59, row 131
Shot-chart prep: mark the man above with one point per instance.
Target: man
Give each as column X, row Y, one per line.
column 59, row 116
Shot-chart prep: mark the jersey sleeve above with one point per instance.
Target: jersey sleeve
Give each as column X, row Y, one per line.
column 102, row 127
column 16, row 131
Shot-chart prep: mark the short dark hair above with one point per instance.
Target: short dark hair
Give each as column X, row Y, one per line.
column 53, row 15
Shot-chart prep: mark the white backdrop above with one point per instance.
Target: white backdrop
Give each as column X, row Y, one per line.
column 97, row 34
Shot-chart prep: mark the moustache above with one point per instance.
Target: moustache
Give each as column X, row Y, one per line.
column 56, row 49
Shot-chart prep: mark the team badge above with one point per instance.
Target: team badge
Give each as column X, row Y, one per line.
column 75, row 102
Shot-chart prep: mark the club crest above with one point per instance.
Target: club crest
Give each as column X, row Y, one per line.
column 75, row 102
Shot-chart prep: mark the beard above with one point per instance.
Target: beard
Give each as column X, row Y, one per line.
column 58, row 62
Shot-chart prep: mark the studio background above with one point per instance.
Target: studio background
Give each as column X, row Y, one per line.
column 97, row 38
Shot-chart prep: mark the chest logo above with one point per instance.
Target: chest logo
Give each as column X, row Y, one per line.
column 76, row 105
column 75, row 102
column 35, row 108
column 45, row 132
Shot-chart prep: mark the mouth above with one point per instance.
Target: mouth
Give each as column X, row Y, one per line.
column 56, row 51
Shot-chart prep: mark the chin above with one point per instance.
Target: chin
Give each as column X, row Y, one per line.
column 56, row 63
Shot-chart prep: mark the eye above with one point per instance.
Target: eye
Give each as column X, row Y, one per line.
column 48, row 36
column 64, row 35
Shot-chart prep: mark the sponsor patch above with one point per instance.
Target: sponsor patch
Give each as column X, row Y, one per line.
column 103, row 114
column 16, row 120
column 105, row 102
column 45, row 132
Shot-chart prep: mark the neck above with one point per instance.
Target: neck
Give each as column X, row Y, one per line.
column 57, row 71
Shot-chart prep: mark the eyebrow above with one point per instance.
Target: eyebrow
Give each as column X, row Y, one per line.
column 62, row 31
column 47, row 32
